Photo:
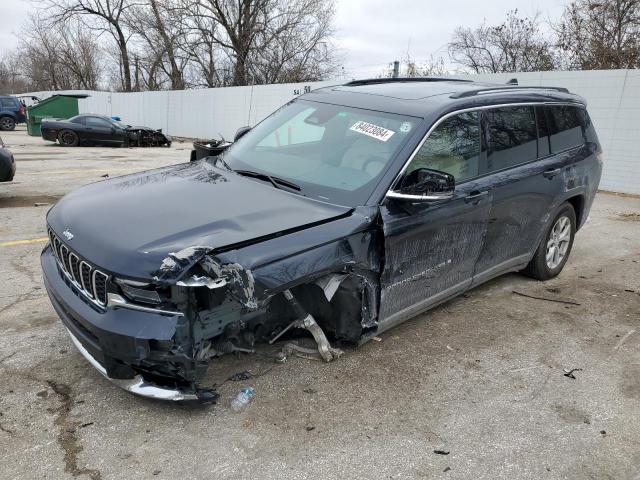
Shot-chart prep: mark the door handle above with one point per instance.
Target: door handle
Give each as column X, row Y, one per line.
column 551, row 173
column 476, row 196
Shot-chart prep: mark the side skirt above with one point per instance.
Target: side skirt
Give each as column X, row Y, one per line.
column 513, row 265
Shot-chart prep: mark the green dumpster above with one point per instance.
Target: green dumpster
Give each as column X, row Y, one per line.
column 58, row 106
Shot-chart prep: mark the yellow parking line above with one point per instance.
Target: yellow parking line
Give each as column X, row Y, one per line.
column 64, row 172
column 24, row 242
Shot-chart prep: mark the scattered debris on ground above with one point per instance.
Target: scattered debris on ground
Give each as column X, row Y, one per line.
column 239, row 376
column 569, row 373
column 628, row 216
column 547, row 299
column 624, row 339
column 441, row 452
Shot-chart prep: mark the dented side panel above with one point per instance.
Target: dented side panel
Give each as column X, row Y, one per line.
column 523, row 198
column 429, row 249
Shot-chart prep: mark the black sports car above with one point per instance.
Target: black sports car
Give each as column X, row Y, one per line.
column 7, row 164
column 89, row 129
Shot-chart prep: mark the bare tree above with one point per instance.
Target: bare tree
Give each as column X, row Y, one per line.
column 295, row 47
column 432, row 67
column 11, row 76
column 58, row 57
column 601, row 34
column 516, row 45
column 176, row 44
column 102, row 16
column 288, row 31
column 79, row 54
column 159, row 26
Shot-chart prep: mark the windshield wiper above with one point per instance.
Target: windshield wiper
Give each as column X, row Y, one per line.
column 275, row 181
column 221, row 160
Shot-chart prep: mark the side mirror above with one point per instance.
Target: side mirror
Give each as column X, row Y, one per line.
column 241, row 132
column 424, row 185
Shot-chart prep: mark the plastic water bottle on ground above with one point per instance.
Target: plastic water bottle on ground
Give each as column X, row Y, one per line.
column 242, row 400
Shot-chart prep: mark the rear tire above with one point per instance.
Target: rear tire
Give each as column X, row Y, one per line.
column 68, row 138
column 554, row 249
column 7, row 123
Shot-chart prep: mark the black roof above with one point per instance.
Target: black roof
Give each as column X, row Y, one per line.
column 423, row 97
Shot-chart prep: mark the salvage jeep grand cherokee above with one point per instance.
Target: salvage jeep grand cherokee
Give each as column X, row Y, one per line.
column 346, row 212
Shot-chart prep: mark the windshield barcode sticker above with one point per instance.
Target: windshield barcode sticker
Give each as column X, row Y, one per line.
column 372, row 130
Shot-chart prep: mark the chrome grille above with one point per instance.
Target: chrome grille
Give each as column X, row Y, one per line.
column 88, row 279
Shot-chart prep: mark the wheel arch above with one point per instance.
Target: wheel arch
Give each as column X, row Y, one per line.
column 577, row 202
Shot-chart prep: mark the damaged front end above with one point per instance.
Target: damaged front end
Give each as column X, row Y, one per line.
column 156, row 338
column 147, row 137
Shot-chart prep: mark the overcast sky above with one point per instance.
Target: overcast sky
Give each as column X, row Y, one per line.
column 370, row 33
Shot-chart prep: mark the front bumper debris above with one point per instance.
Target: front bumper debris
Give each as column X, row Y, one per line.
column 124, row 345
column 136, row 385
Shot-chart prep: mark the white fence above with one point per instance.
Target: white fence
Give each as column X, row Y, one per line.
column 201, row 113
column 613, row 98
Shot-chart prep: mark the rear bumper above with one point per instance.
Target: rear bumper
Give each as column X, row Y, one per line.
column 50, row 135
column 132, row 349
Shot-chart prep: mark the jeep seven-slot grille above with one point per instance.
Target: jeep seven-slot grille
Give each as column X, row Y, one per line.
column 88, row 279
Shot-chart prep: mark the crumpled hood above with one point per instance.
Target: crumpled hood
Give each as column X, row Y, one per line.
column 130, row 225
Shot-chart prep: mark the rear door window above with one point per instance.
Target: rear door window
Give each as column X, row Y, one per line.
column 565, row 127
column 513, row 137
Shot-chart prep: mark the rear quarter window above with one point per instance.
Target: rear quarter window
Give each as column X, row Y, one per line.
column 564, row 127
column 7, row 102
column 587, row 125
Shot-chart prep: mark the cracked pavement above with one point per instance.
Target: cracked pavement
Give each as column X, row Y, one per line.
column 481, row 376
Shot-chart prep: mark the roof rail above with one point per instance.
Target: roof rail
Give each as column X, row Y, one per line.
column 479, row 91
column 373, row 81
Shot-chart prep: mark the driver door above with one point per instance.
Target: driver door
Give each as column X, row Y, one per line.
column 99, row 130
column 431, row 247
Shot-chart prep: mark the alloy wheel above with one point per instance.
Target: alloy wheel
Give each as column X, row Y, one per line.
column 68, row 138
column 7, row 123
column 558, row 242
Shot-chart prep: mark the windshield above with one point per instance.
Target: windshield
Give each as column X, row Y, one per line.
column 333, row 153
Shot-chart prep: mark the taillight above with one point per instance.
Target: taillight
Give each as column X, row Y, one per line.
column 21, row 109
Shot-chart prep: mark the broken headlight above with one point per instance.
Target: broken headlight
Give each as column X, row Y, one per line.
column 139, row 291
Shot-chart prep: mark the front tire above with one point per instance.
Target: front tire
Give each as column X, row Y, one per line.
column 554, row 249
column 68, row 138
column 7, row 123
